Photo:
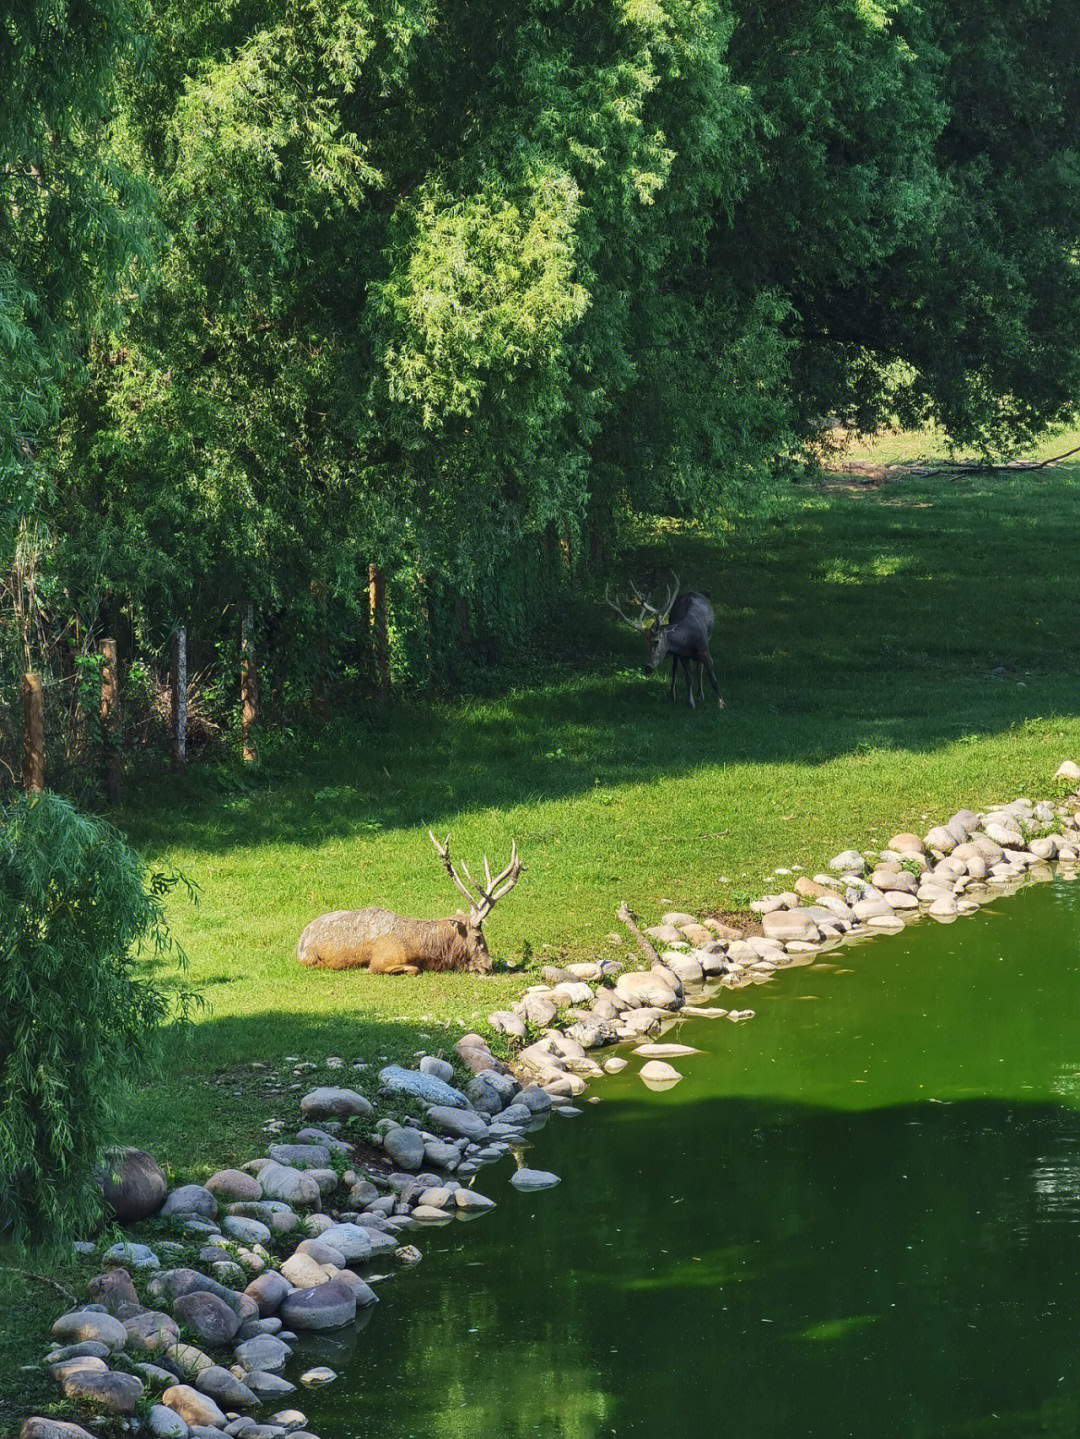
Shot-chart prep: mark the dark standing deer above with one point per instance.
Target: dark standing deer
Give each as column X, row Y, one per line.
column 680, row 627
column 385, row 943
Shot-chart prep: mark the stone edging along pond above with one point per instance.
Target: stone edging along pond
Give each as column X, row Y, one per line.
column 279, row 1242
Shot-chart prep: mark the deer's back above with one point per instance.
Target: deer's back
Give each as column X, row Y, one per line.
column 346, row 938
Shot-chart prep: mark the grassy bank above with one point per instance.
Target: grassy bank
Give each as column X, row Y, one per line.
column 886, row 653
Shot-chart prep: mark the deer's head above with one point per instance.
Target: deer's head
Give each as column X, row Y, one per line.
column 651, row 623
column 481, row 900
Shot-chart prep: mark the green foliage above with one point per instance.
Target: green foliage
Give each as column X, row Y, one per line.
column 69, row 218
column 79, row 912
column 464, row 289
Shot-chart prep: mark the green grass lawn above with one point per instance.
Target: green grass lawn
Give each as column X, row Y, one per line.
column 887, row 655
column 858, row 631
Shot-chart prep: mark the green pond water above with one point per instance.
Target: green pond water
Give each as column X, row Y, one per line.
column 858, row 1215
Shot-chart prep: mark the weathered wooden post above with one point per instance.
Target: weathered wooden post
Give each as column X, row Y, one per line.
column 178, row 701
column 110, row 719
column 249, row 685
column 33, row 766
column 377, row 602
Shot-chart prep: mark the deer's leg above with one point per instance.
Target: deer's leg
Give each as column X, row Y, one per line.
column 389, row 956
column 674, row 675
column 712, row 679
column 688, row 670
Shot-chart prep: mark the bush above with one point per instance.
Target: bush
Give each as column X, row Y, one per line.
column 79, row 914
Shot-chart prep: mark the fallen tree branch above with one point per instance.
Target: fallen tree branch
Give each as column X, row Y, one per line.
column 40, row 1279
column 982, row 467
column 627, row 917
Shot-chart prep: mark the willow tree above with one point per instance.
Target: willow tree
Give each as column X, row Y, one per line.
column 81, row 919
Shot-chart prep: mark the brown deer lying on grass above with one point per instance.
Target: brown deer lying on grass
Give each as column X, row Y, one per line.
column 385, row 943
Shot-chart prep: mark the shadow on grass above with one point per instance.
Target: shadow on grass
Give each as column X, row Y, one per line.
column 903, row 618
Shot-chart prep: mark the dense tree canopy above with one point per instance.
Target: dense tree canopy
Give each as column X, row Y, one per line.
column 454, row 288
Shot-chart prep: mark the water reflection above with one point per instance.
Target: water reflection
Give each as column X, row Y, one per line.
column 771, row 1249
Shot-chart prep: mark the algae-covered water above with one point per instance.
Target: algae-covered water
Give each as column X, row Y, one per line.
column 858, row 1215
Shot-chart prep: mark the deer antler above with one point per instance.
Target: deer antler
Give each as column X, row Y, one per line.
column 672, row 596
column 640, row 623
column 443, row 851
column 492, row 890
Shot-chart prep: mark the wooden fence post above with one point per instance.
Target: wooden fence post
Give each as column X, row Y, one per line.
column 110, row 719
column 33, row 766
column 249, row 685
column 178, row 701
column 377, row 602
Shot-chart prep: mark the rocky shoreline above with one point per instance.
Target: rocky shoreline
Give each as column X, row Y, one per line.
column 186, row 1336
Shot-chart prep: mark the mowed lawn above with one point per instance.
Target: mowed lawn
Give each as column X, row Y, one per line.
column 886, row 654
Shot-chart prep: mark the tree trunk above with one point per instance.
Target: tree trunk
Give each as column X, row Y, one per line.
column 33, row 767
column 249, row 685
column 377, row 604
column 110, row 719
column 178, row 698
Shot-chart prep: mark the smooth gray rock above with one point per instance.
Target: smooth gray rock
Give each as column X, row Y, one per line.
column 245, row 1231
column 328, row 1306
column 462, row 1123
column 353, row 1241
column 333, row 1103
column 505, row 1021
column 441, row 1154
column 165, row 1423
column 151, row 1331
column 405, row 1148
column 308, row 1156
column 207, row 1316
column 267, row 1385
column 191, row 1199
column 437, row 1067
column 225, row 1389
column 421, row 1086
column 38, row 1427
column 293, row 1186
column 268, row 1290
column 266, row 1352
column 82, row 1324
column 233, row 1185
column 193, row 1407
column 530, row 1179
column 114, row 1392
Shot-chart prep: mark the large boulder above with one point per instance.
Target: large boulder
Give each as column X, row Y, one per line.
column 263, row 1352
column 112, row 1289
column 233, row 1185
column 654, row 988
column 351, row 1240
column 225, row 1389
column 191, row 1200
column 80, row 1324
column 398, row 1080
column 788, row 925
column 328, row 1306
column 114, row 1392
column 133, row 1184
column 151, row 1331
column 268, row 1290
column 293, row 1186
column 330, row 1103
column 404, row 1147
column 38, row 1427
column 462, row 1123
column 193, row 1407
column 209, row 1318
